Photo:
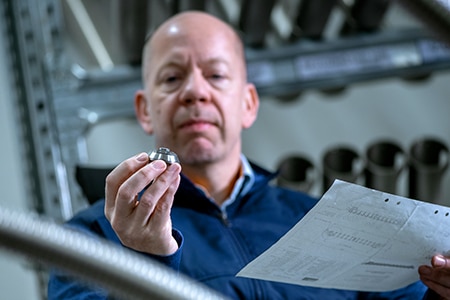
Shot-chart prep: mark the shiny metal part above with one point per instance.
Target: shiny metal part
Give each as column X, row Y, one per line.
column 164, row 154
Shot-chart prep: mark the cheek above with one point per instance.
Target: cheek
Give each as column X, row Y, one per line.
column 233, row 117
column 160, row 117
column 163, row 115
column 160, row 105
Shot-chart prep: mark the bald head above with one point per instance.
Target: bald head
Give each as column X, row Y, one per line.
column 195, row 26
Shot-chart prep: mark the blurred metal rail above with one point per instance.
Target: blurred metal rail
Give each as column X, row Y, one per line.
column 124, row 273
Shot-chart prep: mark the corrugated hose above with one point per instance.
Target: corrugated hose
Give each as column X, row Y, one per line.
column 124, row 273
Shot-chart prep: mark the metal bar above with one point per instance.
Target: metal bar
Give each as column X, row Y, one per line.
column 129, row 24
column 312, row 17
column 433, row 13
column 90, row 33
column 366, row 15
column 255, row 20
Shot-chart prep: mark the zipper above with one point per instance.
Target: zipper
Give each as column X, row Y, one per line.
column 240, row 248
column 224, row 218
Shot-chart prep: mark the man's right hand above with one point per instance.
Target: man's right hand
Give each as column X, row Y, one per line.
column 143, row 224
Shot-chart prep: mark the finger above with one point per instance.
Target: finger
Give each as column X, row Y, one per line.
column 436, row 277
column 128, row 191
column 118, row 176
column 164, row 206
column 440, row 261
column 161, row 223
column 441, row 290
column 155, row 193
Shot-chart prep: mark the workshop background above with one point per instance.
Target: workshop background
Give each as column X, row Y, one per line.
column 336, row 78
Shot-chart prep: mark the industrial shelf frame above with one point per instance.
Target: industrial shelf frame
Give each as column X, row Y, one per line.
column 58, row 102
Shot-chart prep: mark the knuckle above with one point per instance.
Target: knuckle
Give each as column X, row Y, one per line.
column 110, row 180
column 146, row 203
column 147, row 172
column 163, row 206
column 125, row 192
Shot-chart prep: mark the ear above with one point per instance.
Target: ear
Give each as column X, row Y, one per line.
column 142, row 110
column 250, row 106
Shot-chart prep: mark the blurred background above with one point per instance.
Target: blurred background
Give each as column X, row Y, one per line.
column 358, row 90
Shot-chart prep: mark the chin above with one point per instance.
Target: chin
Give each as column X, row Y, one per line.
column 198, row 154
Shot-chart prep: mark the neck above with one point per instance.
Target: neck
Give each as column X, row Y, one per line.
column 217, row 179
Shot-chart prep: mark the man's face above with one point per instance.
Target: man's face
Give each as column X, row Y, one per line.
column 196, row 91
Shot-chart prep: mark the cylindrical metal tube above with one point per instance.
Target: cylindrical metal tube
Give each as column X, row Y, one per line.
column 340, row 163
column 428, row 161
column 297, row 173
column 384, row 162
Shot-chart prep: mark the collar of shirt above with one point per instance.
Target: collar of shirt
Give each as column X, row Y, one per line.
column 242, row 185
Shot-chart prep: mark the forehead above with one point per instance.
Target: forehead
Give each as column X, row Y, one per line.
column 195, row 34
column 201, row 56
column 200, row 43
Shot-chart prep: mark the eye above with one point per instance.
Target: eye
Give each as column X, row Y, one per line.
column 217, row 76
column 218, row 80
column 169, row 75
column 171, row 79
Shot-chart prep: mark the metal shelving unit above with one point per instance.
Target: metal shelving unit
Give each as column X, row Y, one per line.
column 30, row 38
column 59, row 101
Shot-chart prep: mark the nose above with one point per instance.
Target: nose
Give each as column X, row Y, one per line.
column 195, row 88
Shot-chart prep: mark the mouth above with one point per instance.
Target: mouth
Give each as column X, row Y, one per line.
column 196, row 125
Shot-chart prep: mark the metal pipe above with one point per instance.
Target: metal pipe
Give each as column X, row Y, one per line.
column 428, row 161
column 122, row 272
column 296, row 172
column 340, row 162
column 433, row 13
column 385, row 160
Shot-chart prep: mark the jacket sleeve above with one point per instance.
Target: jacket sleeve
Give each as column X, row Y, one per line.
column 431, row 295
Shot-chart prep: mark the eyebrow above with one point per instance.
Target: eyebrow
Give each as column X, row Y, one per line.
column 179, row 60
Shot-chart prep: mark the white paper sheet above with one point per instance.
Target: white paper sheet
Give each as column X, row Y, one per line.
column 357, row 238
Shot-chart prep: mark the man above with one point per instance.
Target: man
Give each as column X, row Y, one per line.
column 221, row 212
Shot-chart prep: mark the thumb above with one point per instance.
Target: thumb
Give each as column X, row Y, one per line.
column 440, row 261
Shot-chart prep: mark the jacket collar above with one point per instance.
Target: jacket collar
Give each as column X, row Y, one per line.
column 189, row 196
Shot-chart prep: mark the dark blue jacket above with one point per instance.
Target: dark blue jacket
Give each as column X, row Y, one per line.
column 215, row 246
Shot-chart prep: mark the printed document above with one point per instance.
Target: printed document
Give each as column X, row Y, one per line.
column 356, row 238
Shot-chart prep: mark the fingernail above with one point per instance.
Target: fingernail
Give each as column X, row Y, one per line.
column 158, row 164
column 438, row 261
column 142, row 157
